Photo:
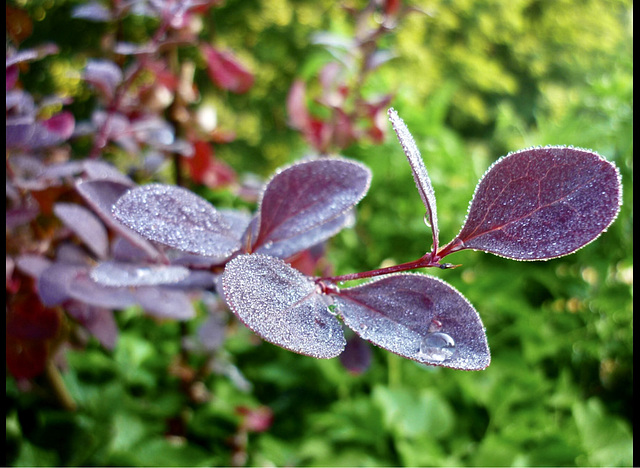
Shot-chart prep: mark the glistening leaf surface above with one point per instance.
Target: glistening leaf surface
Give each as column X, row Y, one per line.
column 541, row 203
column 175, row 217
column 418, row 317
column 307, row 195
column 281, row 305
column 112, row 273
column 419, row 170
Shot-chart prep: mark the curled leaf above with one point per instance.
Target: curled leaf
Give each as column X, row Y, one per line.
column 281, row 305
column 420, row 175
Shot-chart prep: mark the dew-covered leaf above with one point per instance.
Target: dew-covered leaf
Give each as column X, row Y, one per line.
column 281, row 305
column 175, row 217
column 85, row 225
column 541, row 203
column 418, row 317
column 101, row 195
column 307, row 195
column 112, row 273
column 420, row 175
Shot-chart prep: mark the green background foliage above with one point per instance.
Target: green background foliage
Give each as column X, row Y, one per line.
column 473, row 80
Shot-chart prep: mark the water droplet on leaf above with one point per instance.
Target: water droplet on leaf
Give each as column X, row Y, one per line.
column 426, row 220
column 437, row 347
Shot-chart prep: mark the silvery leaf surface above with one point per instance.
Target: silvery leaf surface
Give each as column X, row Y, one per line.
column 101, row 195
column 178, row 218
column 542, row 203
column 281, row 305
column 419, row 317
column 111, row 273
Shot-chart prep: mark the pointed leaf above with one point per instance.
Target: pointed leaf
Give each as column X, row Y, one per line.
column 281, row 305
column 308, row 195
column 418, row 317
column 420, row 175
column 541, row 203
column 175, row 217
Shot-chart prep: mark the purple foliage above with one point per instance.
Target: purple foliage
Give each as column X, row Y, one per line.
column 282, row 306
column 159, row 247
column 542, row 203
column 418, row 317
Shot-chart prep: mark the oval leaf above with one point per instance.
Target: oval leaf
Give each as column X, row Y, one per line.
column 418, row 317
column 307, row 195
column 541, row 203
column 175, row 217
column 281, row 305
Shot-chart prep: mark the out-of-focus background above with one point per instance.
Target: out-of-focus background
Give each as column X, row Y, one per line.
column 473, row 80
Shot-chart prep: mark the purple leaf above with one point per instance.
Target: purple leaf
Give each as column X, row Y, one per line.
column 175, row 217
column 307, row 195
column 32, row 265
column 288, row 247
column 97, row 320
column 541, row 203
column 104, row 75
column 165, row 303
column 99, row 170
column 420, row 174
column 282, row 306
column 84, row 289
column 111, row 273
column 54, row 282
column 418, row 317
column 101, row 195
column 92, row 11
column 85, row 225
column 356, row 357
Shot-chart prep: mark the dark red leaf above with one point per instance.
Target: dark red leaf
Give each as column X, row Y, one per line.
column 205, row 169
column 297, row 107
column 541, row 203
column 225, row 71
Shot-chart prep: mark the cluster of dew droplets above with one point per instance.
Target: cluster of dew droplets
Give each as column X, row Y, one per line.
column 436, row 346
